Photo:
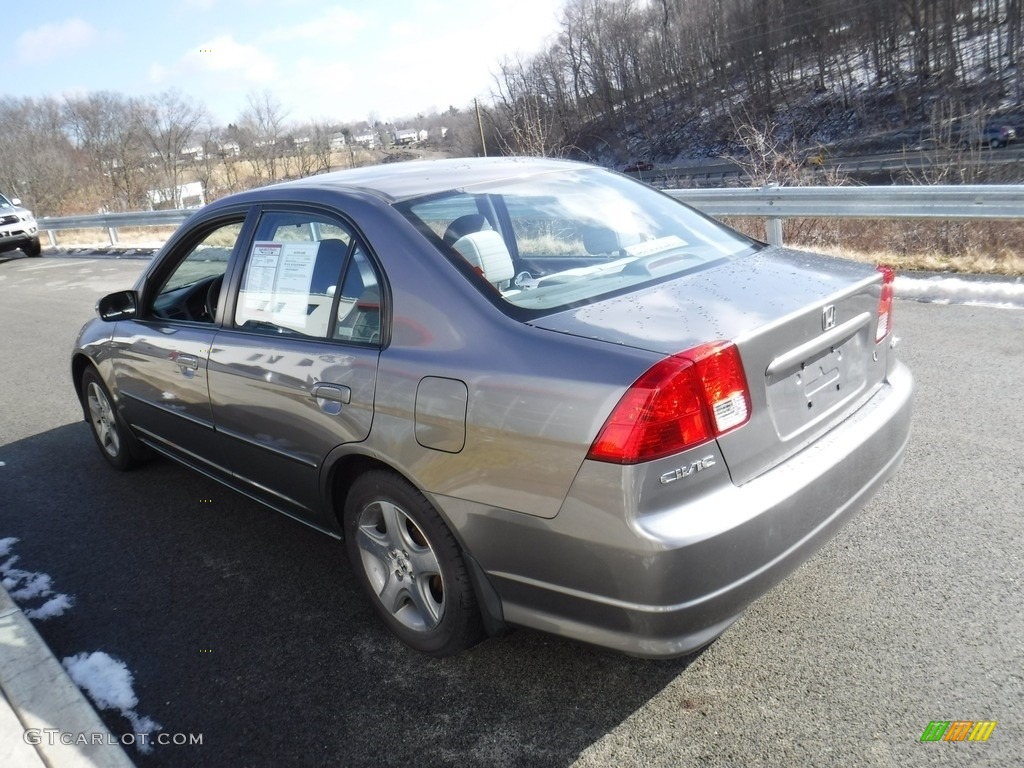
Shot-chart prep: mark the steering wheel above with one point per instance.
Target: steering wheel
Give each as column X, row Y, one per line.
column 213, row 297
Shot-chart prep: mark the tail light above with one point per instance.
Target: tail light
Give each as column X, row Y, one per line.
column 681, row 401
column 885, row 303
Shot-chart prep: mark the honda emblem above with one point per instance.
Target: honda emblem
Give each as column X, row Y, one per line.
column 828, row 317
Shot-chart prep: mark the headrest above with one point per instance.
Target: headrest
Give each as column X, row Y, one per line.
column 487, row 250
column 600, row 240
column 471, row 222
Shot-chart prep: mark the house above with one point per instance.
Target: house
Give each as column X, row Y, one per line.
column 406, row 136
column 365, row 138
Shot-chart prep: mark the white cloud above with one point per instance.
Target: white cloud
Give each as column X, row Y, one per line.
column 319, row 90
column 54, row 41
column 230, row 63
column 329, row 28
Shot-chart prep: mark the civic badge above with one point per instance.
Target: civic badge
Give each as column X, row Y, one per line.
column 828, row 317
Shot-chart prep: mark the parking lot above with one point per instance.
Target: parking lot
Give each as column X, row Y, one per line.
column 246, row 627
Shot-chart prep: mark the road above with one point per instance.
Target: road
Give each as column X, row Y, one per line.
column 246, row 627
column 860, row 166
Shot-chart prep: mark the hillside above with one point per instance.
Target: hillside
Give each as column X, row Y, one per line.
column 671, row 81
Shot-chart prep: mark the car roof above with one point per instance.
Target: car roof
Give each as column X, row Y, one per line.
column 401, row 181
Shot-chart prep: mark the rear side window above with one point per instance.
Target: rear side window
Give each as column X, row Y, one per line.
column 308, row 276
column 569, row 238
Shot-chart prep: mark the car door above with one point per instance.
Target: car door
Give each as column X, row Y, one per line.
column 293, row 370
column 161, row 358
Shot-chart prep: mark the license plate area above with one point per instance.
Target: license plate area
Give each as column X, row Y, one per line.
column 807, row 392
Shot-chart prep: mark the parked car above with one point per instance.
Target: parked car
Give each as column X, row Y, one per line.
column 524, row 392
column 18, row 228
column 638, row 166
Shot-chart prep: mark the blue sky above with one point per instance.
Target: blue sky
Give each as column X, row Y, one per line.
column 338, row 60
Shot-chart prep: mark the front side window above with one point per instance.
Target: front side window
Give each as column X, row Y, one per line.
column 192, row 289
column 308, row 276
column 569, row 238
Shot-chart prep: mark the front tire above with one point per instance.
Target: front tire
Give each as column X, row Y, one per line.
column 410, row 565
column 33, row 248
column 115, row 441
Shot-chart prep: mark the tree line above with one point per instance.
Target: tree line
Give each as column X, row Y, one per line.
column 623, row 68
column 107, row 151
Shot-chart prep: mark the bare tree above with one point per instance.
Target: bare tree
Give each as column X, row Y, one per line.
column 207, row 162
column 106, row 129
column 169, row 123
column 526, row 124
column 320, row 134
column 263, row 120
column 37, row 162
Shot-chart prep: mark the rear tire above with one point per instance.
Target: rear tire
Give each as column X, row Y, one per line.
column 115, row 441
column 410, row 565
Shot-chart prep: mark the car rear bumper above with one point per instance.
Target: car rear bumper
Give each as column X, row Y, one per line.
column 665, row 582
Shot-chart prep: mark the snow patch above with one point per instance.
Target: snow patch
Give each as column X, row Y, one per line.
column 941, row 289
column 106, row 680
column 6, row 544
column 33, row 585
column 25, row 586
column 55, row 606
column 109, row 683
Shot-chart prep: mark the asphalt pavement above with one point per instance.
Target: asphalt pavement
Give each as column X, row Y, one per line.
column 245, row 627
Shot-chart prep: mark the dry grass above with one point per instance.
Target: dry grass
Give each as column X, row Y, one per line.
column 139, row 237
column 974, row 247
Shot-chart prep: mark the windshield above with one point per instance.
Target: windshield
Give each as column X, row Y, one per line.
column 5, row 203
column 568, row 238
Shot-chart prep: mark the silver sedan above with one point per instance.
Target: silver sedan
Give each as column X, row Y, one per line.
column 523, row 392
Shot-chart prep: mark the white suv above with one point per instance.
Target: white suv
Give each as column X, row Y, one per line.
column 18, row 228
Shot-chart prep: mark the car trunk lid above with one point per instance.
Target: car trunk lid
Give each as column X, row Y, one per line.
column 804, row 325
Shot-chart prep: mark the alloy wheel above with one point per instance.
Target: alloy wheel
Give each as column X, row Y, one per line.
column 101, row 416
column 401, row 566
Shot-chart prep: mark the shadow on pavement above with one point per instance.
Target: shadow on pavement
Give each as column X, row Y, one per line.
column 246, row 627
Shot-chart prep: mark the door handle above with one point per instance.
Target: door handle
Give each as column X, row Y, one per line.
column 339, row 393
column 187, row 361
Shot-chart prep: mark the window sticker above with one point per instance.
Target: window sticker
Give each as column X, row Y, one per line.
column 278, row 280
column 259, row 282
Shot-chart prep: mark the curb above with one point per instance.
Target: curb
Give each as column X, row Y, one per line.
column 39, row 702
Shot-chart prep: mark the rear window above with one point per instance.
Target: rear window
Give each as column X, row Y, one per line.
column 569, row 238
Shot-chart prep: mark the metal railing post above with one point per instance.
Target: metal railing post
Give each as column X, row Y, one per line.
column 773, row 230
column 112, row 231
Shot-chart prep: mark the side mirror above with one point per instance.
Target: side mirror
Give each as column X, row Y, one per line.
column 15, row 201
column 122, row 305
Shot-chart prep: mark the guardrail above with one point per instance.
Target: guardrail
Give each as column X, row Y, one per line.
column 772, row 203
column 111, row 222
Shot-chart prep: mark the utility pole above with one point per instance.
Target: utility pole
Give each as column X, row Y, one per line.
column 480, row 124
